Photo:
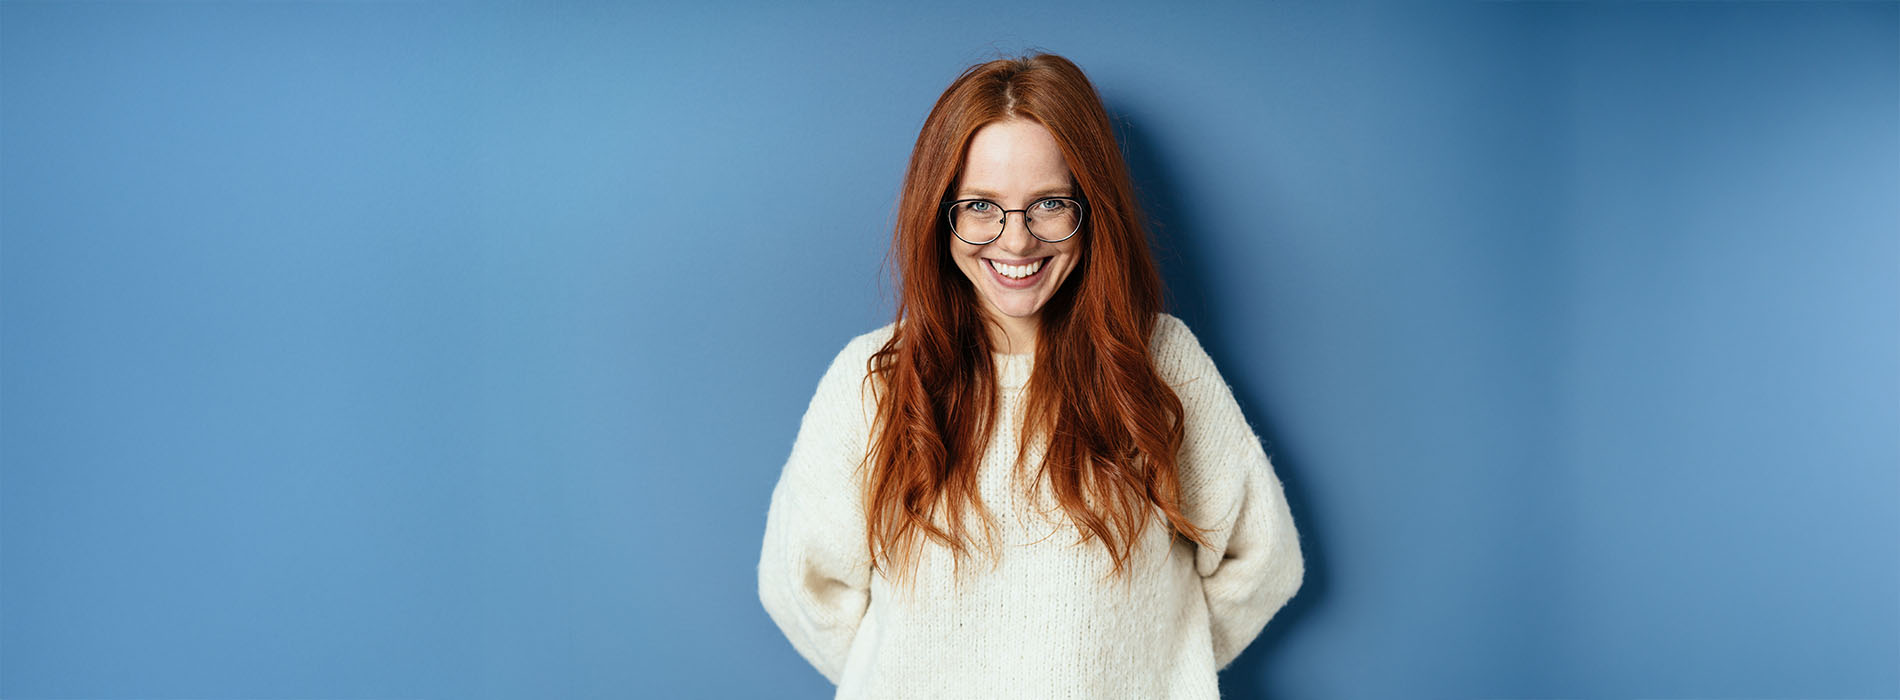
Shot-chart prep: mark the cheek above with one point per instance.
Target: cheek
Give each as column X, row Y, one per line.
column 969, row 264
column 1071, row 259
column 1071, row 262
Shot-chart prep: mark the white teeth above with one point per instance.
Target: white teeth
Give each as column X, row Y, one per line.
column 1017, row 271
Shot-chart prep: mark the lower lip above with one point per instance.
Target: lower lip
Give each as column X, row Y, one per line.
column 1023, row 283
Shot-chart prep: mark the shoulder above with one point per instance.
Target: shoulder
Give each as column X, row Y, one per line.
column 856, row 354
column 850, row 365
column 867, row 343
column 844, row 402
column 1176, row 352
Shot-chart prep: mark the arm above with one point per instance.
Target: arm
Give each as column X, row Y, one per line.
column 1254, row 565
column 814, row 575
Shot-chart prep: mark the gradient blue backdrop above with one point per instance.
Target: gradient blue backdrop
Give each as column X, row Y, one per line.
column 386, row 349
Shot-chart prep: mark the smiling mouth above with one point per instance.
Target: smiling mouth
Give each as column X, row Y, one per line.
column 1019, row 273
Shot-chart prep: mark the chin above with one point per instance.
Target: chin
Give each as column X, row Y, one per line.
column 1020, row 312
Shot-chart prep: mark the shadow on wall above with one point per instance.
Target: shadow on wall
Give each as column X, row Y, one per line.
column 1175, row 236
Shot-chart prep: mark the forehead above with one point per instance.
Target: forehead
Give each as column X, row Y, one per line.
column 1013, row 159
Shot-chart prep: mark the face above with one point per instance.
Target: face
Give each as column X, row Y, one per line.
column 1013, row 163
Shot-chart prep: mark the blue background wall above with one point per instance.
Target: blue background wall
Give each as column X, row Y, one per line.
column 381, row 350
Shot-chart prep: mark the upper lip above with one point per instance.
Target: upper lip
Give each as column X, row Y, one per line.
column 1023, row 261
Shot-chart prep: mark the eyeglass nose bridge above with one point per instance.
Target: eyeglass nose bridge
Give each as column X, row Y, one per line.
column 1023, row 219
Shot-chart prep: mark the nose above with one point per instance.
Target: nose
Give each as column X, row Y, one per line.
column 1016, row 240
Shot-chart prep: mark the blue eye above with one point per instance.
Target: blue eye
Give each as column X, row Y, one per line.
column 1052, row 204
column 978, row 206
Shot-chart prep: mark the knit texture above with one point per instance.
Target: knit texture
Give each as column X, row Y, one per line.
column 1041, row 620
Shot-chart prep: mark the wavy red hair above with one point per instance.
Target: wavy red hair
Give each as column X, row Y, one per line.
column 1113, row 425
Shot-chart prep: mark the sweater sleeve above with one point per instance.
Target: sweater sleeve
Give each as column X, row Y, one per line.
column 814, row 572
column 1253, row 565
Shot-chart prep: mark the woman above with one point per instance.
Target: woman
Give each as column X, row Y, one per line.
column 1134, row 535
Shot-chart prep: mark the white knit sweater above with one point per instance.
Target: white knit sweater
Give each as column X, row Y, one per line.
column 1040, row 621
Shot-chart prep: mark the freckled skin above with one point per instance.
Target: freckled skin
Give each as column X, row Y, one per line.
column 1015, row 159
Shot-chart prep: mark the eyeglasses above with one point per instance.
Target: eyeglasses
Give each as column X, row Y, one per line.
column 979, row 221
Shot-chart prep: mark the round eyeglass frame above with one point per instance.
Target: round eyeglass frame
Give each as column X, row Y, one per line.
column 1081, row 209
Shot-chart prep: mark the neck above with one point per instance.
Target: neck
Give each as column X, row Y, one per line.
column 1017, row 335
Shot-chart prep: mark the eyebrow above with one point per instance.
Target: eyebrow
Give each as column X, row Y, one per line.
column 1062, row 190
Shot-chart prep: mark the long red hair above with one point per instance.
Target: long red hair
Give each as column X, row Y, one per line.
column 1113, row 425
